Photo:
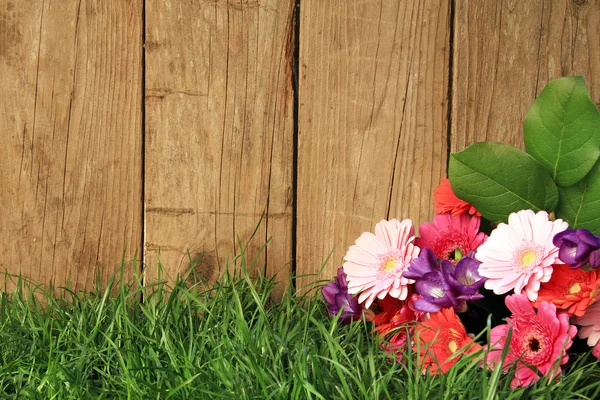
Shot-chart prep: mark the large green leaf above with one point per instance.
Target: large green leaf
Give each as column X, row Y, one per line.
column 562, row 130
column 580, row 204
column 499, row 179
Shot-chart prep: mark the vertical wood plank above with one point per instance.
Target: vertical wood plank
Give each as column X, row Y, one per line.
column 504, row 54
column 219, row 138
column 70, row 115
column 372, row 120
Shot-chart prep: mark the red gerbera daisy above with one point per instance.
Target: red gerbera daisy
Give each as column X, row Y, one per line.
column 396, row 322
column 441, row 340
column 570, row 289
column 446, row 201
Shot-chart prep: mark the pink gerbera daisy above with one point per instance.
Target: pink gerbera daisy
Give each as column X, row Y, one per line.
column 590, row 327
column 537, row 340
column 374, row 265
column 448, row 235
column 519, row 255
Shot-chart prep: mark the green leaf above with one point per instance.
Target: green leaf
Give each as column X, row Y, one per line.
column 562, row 130
column 498, row 179
column 579, row 204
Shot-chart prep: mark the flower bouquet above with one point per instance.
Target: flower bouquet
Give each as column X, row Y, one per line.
column 513, row 247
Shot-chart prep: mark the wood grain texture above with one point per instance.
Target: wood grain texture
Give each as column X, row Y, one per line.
column 372, row 120
column 219, row 137
column 70, row 118
column 504, row 54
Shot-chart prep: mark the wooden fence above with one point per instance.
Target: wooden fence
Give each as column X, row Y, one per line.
column 173, row 125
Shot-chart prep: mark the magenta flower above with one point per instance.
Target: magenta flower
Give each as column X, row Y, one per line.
column 444, row 285
column 578, row 247
column 337, row 298
column 536, row 340
column 451, row 237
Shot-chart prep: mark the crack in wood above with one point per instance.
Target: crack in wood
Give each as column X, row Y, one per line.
column 164, row 92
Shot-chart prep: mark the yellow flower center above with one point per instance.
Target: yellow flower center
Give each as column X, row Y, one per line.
column 390, row 265
column 437, row 293
column 576, row 288
column 390, row 262
column 527, row 258
column 452, row 346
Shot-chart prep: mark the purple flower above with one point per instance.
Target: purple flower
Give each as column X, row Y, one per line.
column 425, row 264
column 465, row 278
column 578, row 247
column 436, row 293
column 337, row 298
column 444, row 285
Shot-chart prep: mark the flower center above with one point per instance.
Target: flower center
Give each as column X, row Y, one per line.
column 390, row 265
column 452, row 346
column 527, row 257
column 458, row 254
column 437, row 293
column 389, row 262
column 576, row 288
column 534, row 345
column 451, row 245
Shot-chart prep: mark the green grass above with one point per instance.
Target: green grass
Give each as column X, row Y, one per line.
column 226, row 342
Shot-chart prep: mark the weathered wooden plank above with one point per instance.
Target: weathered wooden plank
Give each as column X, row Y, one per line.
column 70, row 117
column 372, row 120
column 219, row 139
column 504, row 54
